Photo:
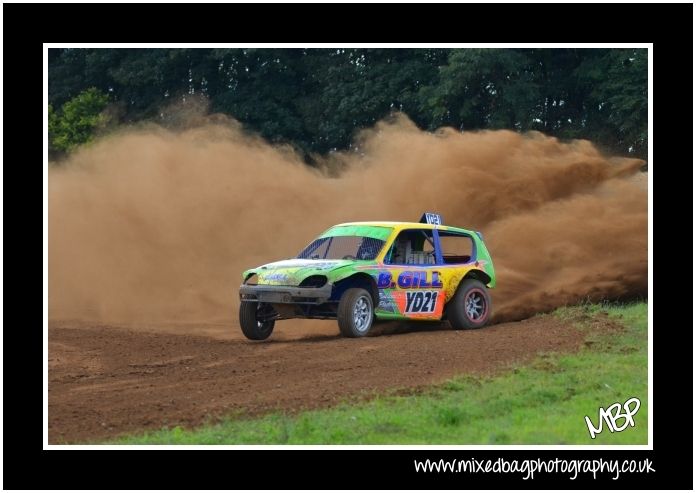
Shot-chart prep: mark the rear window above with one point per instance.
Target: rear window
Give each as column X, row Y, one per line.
column 456, row 249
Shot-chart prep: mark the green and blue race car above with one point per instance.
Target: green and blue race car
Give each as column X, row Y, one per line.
column 363, row 271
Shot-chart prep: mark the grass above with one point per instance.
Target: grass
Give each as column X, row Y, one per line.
column 543, row 402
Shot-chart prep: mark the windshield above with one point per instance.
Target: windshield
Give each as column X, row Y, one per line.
column 343, row 247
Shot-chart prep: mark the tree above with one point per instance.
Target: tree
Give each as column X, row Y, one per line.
column 483, row 88
column 77, row 120
column 316, row 99
column 617, row 102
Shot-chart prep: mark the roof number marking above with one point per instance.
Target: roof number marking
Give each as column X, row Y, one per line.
column 431, row 218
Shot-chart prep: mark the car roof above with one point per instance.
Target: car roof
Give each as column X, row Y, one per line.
column 406, row 225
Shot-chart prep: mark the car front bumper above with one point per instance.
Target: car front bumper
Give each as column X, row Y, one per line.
column 285, row 294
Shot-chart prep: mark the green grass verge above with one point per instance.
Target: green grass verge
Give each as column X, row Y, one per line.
column 543, row 402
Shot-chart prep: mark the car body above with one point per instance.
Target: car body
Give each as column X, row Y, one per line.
column 390, row 270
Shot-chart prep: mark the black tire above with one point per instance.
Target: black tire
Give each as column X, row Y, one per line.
column 355, row 305
column 474, row 295
column 248, row 321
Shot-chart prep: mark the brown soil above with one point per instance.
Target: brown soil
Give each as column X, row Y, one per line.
column 107, row 380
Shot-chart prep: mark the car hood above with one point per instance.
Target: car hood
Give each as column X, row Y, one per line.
column 291, row 272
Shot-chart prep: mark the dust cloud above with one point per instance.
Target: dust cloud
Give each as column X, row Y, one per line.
column 155, row 225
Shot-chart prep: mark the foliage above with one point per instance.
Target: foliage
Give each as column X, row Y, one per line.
column 77, row 120
column 317, row 98
column 617, row 99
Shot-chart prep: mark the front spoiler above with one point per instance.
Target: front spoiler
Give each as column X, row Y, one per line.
column 285, row 294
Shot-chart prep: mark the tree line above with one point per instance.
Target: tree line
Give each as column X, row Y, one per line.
column 316, row 99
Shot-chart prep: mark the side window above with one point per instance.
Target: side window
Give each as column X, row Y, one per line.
column 456, row 249
column 412, row 247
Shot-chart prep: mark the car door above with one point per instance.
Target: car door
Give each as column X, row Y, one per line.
column 409, row 283
column 456, row 257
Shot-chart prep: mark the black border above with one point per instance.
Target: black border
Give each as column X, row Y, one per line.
column 27, row 26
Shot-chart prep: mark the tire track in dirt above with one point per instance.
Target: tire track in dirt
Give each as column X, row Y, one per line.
column 106, row 380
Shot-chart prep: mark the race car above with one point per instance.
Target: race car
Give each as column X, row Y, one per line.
column 360, row 272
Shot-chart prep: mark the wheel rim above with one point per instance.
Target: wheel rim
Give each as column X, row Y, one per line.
column 263, row 311
column 362, row 314
column 475, row 305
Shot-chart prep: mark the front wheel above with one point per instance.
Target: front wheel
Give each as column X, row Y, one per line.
column 355, row 313
column 253, row 319
column 470, row 307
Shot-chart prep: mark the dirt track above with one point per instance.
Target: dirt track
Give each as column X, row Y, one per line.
column 106, row 380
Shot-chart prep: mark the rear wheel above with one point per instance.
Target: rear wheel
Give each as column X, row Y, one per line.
column 470, row 307
column 355, row 313
column 254, row 320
